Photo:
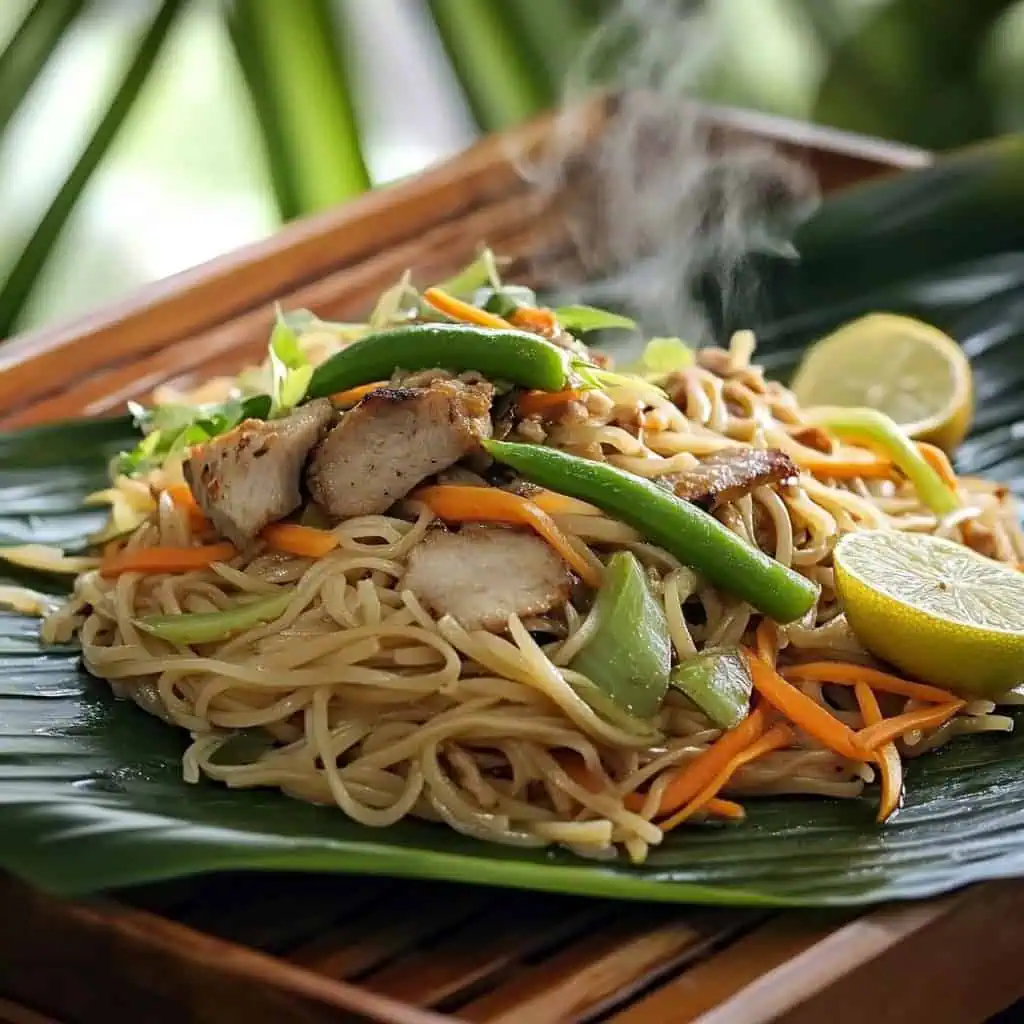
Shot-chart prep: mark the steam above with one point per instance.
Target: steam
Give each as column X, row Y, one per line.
column 658, row 207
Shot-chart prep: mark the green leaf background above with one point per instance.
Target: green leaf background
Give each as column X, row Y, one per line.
column 90, row 789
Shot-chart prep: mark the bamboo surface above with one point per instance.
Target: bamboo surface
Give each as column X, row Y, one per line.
column 311, row 950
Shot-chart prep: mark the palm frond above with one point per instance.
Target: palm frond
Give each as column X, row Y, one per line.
column 34, row 42
column 293, row 62
column 32, row 260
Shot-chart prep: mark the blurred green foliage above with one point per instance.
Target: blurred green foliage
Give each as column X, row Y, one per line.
column 136, row 139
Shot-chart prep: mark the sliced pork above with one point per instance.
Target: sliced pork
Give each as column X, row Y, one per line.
column 730, row 474
column 392, row 440
column 482, row 575
column 250, row 476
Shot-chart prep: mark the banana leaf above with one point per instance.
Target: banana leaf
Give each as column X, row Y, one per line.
column 91, row 795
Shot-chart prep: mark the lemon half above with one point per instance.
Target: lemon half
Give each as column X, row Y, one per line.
column 936, row 610
column 907, row 369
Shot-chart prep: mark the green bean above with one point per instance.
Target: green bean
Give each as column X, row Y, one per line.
column 696, row 538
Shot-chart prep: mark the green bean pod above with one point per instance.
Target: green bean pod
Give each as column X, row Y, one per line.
column 514, row 356
column 696, row 538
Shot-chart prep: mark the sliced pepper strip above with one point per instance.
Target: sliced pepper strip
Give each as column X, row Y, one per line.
column 457, row 309
column 890, row 765
column 874, row 736
column 462, row 504
column 166, row 559
column 804, row 713
column 776, row 738
column 688, row 780
column 843, row 673
column 207, row 627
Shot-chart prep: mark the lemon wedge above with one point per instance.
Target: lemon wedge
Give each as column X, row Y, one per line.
column 907, row 369
column 936, row 610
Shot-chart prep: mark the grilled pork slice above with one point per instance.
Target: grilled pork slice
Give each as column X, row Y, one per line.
column 393, row 439
column 250, row 476
column 482, row 575
column 727, row 476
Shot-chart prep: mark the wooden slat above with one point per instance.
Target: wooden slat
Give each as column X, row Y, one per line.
column 77, row 961
column 711, row 982
column 948, row 961
column 15, row 1013
column 636, row 944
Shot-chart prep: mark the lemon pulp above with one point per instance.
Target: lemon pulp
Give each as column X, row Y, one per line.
column 935, row 609
column 907, row 369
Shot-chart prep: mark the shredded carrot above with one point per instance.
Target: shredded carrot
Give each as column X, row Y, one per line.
column 689, row 779
column 536, row 403
column 460, row 504
column 166, row 559
column 890, row 766
column 304, row 541
column 845, row 674
column 837, row 468
column 541, row 321
column 357, row 394
column 939, row 461
column 574, row 767
column 183, row 499
column 803, row 712
column 778, row 736
column 873, row 736
column 767, row 637
column 556, row 504
column 459, row 310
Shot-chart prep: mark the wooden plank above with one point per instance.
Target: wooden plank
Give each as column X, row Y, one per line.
column 92, row 963
column 713, row 981
column 630, row 950
column 954, row 960
column 15, row 1013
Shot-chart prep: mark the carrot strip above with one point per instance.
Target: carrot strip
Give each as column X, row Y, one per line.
column 357, row 394
column 459, row 310
column 843, row 673
column 536, row 403
column 871, row 468
column 304, row 541
column 890, row 766
column 574, row 767
column 874, row 736
column 542, row 321
column 803, row 712
column 689, row 779
column 778, row 736
column 160, row 560
column 488, row 504
column 939, row 461
column 556, row 504
column 182, row 497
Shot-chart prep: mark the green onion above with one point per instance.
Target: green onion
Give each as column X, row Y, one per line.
column 628, row 656
column 207, row 627
column 582, row 319
column 693, row 536
column 290, row 368
column 718, row 683
column 881, row 431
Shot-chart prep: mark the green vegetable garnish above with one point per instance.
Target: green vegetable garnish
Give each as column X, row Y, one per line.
column 719, row 683
column 666, row 355
column 290, row 368
column 628, row 656
column 880, row 431
column 514, row 356
column 207, row 627
column 582, row 319
column 696, row 538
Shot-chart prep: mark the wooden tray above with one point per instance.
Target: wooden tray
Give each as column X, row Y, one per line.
column 306, row 950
